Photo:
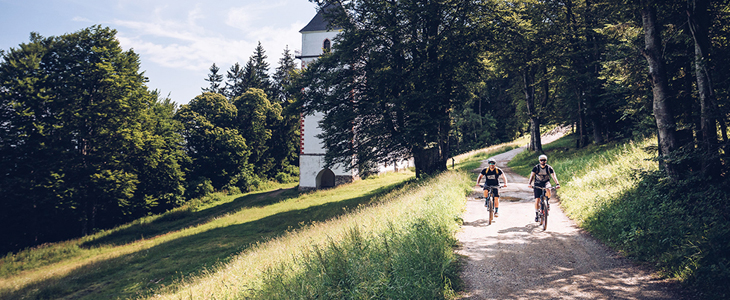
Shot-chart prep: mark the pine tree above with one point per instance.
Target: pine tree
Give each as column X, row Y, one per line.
column 215, row 80
column 236, row 84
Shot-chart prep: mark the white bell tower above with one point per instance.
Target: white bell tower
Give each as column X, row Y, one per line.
column 316, row 37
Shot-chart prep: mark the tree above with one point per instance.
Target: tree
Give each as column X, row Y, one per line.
column 662, row 111
column 256, row 71
column 254, row 121
column 284, row 143
column 396, row 71
column 524, row 34
column 218, row 151
column 236, row 83
column 699, row 21
column 282, row 78
column 215, row 80
column 76, row 137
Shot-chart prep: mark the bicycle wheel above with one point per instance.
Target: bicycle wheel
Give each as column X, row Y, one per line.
column 544, row 213
column 490, row 205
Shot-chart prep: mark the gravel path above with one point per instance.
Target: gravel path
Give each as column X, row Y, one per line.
column 514, row 259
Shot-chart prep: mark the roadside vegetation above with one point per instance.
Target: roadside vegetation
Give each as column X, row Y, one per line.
column 617, row 192
column 357, row 240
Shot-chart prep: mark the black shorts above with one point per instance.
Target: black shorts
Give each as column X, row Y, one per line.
column 538, row 192
column 495, row 192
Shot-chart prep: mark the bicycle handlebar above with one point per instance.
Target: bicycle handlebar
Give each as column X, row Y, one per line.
column 544, row 188
column 491, row 186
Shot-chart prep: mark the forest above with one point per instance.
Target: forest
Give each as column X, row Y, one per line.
column 84, row 143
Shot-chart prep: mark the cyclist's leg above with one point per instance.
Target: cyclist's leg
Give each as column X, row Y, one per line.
column 486, row 195
column 496, row 201
column 537, row 192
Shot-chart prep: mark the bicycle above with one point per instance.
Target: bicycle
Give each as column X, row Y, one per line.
column 489, row 201
column 544, row 208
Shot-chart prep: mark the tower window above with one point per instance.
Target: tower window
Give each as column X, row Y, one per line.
column 327, row 45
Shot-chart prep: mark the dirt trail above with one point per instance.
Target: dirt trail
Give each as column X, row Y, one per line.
column 514, row 259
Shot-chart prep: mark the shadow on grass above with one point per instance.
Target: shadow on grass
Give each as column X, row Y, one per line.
column 179, row 219
column 141, row 273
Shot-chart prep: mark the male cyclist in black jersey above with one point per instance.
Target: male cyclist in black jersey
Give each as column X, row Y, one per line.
column 542, row 173
column 491, row 175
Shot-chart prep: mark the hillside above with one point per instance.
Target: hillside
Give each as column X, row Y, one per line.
column 222, row 245
column 615, row 191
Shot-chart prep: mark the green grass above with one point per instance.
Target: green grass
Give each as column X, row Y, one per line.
column 389, row 236
column 615, row 191
column 139, row 258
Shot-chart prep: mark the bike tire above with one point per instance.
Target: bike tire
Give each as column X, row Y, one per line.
column 490, row 202
column 545, row 214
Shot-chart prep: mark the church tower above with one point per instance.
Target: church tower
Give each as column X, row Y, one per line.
column 316, row 37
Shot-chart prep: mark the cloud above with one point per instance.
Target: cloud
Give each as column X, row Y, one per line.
column 81, row 19
column 202, row 37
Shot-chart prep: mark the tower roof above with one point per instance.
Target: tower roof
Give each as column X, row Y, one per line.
column 319, row 23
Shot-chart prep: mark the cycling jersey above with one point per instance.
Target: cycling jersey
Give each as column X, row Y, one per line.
column 492, row 176
column 542, row 175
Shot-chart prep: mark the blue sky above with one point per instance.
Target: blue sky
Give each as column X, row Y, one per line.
column 177, row 40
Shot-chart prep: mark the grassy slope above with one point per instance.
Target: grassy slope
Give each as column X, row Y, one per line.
column 195, row 249
column 615, row 192
column 152, row 252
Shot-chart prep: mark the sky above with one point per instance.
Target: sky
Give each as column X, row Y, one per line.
column 177, row 40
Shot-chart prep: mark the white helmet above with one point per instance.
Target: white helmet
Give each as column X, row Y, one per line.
column 491, row 160
column 543, row 156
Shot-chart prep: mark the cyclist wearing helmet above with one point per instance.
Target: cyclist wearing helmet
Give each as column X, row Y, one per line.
column 491, row 178
column 542, row 173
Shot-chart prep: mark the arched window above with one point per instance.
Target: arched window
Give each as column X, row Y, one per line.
column 327, row 45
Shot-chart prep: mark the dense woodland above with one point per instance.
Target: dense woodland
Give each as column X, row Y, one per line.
column 84, row 143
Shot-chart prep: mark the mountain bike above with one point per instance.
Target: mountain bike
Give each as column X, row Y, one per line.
column 544, row 208
column 489, row 201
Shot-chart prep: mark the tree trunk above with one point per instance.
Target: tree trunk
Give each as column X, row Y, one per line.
column 593, row 69
column 529, row 90
column 428, row 161
column 699, row 24
column 581, row 141
column 660, row 88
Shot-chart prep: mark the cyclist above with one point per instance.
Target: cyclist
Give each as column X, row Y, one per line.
column 491, row 178
column 542, row 173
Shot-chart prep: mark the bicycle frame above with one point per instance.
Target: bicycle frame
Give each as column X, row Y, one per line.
column 544, row 208
column 489, row 201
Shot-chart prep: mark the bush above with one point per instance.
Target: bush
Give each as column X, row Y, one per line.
column 200, row 187
column 246, row 181
column 283, row 178
column 232, row 190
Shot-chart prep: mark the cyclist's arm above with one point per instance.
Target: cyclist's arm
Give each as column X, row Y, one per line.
column 479, row 179
column 504, row 178
column 532, row 176
column 557, row 183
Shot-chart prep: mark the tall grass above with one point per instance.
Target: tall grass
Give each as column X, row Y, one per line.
column 399, row 248
column 136, row 259
column 616, row 192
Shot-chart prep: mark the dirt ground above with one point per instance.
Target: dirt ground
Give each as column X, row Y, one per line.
column 515, row 259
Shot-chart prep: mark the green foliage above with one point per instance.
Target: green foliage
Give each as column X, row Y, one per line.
column 396, row 72
column 82, row 141
column 255, row 121
column 217, row 149
column 266, row 117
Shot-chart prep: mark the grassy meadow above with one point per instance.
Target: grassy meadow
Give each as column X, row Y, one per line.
column 616, row 192
column 355, row 241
